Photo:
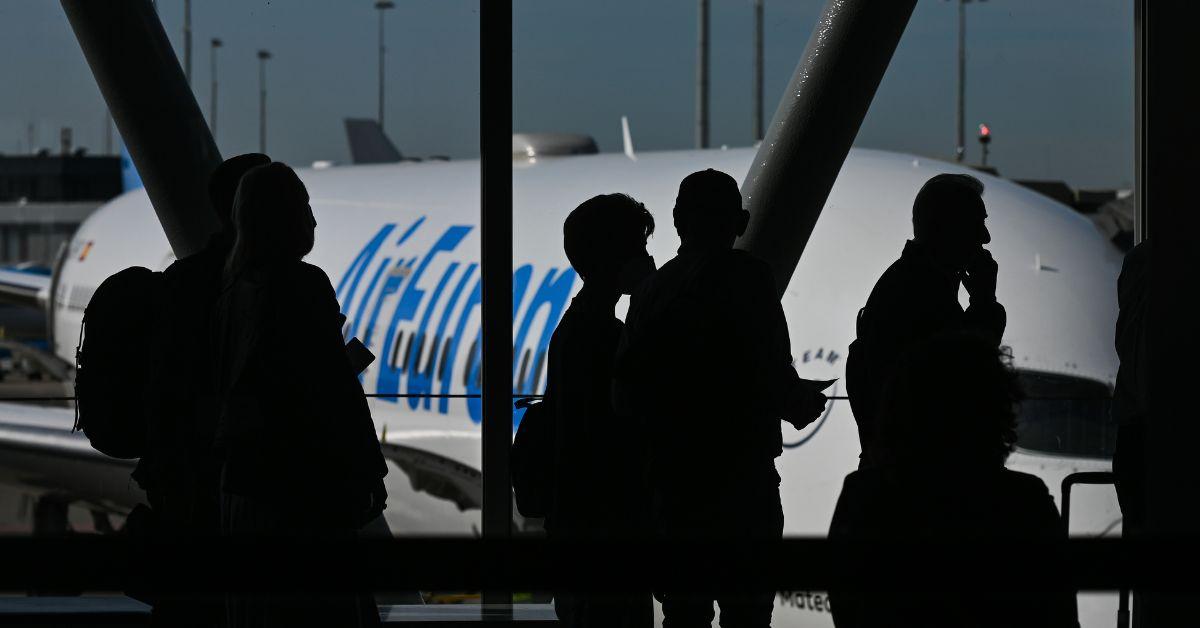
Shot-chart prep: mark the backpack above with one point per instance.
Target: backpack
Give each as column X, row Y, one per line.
column 531, row 462
column 112, row 362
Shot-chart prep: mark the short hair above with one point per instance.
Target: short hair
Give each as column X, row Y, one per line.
column 273, row 219
column 223, row 184
column 707, row 192
column 953, row 397
column 592, row 229
column 940, row 196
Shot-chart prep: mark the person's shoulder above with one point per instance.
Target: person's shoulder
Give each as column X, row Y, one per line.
column 302, row 273
column 738, row 270
column 1024, row 483
column 299, row 283
column 746, row 260
column 896, row 284
column 666, row 274
column 206, row 261
column 196, row 278
column 901, row 270
column 865, row 480
column 865, row 493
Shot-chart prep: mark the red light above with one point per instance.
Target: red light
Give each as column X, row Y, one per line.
column 984, row 131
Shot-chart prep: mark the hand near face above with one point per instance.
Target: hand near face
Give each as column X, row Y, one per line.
column 980, row 276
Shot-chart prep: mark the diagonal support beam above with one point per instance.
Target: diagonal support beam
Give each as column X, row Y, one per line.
column 815, row 124
column 154, row 110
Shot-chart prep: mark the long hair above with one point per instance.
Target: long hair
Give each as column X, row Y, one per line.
column 273, row 219
column 953, row 399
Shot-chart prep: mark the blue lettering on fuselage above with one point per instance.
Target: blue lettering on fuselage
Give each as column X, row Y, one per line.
column 416, row 359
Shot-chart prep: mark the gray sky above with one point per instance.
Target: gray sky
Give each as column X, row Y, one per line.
column 1054, row 80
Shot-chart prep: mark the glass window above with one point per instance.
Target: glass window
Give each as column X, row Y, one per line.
column 1065, row 415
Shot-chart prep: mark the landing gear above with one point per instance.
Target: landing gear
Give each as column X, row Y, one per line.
column 50, row 515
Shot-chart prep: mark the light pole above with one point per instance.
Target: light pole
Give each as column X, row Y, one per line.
column 960, row 148
column 263, row 55
column 985, row 138
column 212, row 71
column 382, row 5
column 758, row 70
column 702, row 78
column 187, row 40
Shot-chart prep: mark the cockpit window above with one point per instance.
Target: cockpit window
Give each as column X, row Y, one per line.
column 1066, row 416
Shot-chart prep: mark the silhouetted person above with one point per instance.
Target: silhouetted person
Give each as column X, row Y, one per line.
column 600, row 485
column 180, row 473
column 1130, row 399
column 706, row 365
column 917, row 296
column 950, row 425
column 302, row 459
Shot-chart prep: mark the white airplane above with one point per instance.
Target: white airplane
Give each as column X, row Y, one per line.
column 400, row 243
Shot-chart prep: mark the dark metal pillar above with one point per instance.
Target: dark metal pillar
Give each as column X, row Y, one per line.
column 815, row 124
column 155, row 111
column 1167, row 131
column 495, row 139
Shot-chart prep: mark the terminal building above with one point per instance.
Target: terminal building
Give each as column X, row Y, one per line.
column 44, row 197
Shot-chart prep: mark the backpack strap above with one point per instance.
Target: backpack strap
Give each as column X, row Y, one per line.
column 78, row 351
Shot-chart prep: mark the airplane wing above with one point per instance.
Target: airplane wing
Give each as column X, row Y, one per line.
column 24, row 287
column 40, row 453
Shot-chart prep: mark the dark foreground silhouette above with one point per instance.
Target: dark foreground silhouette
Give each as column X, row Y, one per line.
column 1130, row 398
column 917, row 297
column 705, row 368
column 301, row 458
column 180, row 471
column 942, row 478
column 600, row 488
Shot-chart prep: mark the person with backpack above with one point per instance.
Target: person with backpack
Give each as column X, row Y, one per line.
column 917, row 296
column 705, row 365
column 179, row 472
column 301, row 456
column 146, row 391
column 598, row 486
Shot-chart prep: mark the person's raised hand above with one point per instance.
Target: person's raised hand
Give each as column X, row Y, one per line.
column 980, row 276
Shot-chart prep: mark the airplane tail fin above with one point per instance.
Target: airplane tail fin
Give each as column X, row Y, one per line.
column 368, row 143
column 627, row 138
